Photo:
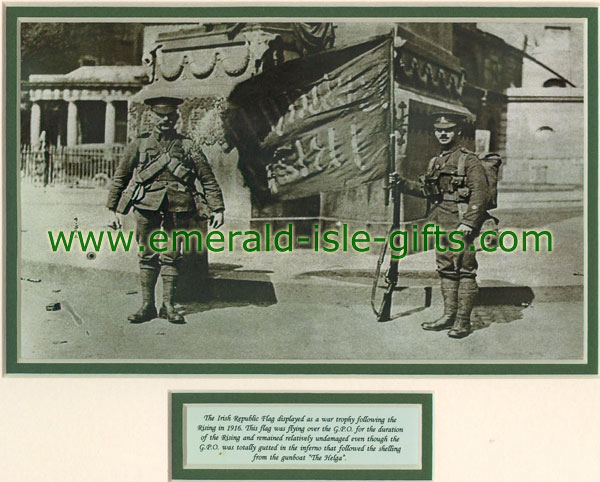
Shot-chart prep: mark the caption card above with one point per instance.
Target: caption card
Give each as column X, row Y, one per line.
column 284, row 436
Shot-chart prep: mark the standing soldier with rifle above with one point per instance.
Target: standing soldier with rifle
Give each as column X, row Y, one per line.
column 157, row 177
column 457, row 192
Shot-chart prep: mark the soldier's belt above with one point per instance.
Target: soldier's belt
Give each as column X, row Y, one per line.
column 173, row 165
column 178, row 170
column 178, row 186
column 453, row 196
column 148, row 172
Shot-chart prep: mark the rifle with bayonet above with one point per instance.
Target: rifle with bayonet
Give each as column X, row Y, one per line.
column 392, row 188
column 391, row 275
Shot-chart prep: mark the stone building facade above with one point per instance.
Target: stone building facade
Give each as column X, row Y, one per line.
column 87, row 106
column 546, row 113
column 204, row 63
column 438, row 66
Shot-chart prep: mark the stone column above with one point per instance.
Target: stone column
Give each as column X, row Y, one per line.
column 35, row 123
column 109, row 123
column 72, row 124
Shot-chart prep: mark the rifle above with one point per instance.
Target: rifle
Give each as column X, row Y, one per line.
column 392, row 186
column 391, row 276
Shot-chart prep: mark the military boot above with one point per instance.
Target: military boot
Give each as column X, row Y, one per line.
column 147, row 312
column 467, row 294
column 450, row 295
column 167, row 309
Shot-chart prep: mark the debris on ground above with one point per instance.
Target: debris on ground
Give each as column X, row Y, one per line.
column 32, row 280
column 131, row 292
column 61, row 342
column 53, row 306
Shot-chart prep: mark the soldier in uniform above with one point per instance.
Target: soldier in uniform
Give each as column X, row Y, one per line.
column 456, row 188
column 157, row 178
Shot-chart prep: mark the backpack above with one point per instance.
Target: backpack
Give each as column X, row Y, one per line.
column 491, row 165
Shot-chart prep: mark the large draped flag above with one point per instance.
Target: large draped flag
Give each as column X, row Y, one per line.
column 314, row 124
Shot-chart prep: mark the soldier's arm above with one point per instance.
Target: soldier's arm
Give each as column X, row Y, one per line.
column 478, row 193
column 412, row 188
column 123, row 174
column 205, row 174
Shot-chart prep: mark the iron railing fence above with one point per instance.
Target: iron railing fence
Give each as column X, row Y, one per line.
column 84, row 166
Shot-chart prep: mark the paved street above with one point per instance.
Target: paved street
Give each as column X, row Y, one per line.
column 301, row 305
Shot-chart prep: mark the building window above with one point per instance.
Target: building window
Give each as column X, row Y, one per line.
column 544, row 133
column 91, row 121
column 554, row 82
column 557, row 37
column 121, row 122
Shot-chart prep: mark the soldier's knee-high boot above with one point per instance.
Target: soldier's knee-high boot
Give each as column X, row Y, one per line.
column 450, row 296
column 167, row 309
column 147, row 312
column 467, row 294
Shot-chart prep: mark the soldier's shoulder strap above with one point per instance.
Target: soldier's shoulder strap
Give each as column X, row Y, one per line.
column 179, row 167
column 465, row 153
column 431, row 164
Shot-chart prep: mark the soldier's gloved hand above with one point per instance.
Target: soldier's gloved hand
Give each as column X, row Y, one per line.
column 467, row 230
column 216, row 220
column 117, row 221
column 395, row 178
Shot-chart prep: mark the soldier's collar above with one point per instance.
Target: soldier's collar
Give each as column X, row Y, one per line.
column 445, row 152
column 160, row 136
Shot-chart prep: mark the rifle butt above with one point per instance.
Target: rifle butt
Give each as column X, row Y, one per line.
column 386, row 307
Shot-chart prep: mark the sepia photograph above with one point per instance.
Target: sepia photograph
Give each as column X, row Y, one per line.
column 267, row 195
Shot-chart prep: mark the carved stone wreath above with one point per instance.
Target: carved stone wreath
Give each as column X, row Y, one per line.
column 421, row 73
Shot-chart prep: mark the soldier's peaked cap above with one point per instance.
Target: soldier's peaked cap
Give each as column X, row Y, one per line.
column 163, row 104
column 446, row 120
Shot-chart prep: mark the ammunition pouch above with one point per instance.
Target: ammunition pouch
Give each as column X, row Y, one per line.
column 125, row 201
column 461, row 195
column 456, row 183
column 132, row 193
column 430, row 186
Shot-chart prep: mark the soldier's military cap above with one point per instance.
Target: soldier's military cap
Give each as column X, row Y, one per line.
column 446, row 120
column 163, row 105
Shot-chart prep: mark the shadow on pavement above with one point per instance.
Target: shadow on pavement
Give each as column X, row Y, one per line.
column 227, row 286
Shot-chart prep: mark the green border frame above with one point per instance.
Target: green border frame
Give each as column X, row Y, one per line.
column 178, row 472
column 11, row 103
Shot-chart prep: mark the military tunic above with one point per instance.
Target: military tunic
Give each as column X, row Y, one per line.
column 166, row 202
column 449, row 208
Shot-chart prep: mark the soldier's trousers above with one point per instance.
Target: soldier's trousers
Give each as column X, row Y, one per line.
column 148, row 222
column 456, row 265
